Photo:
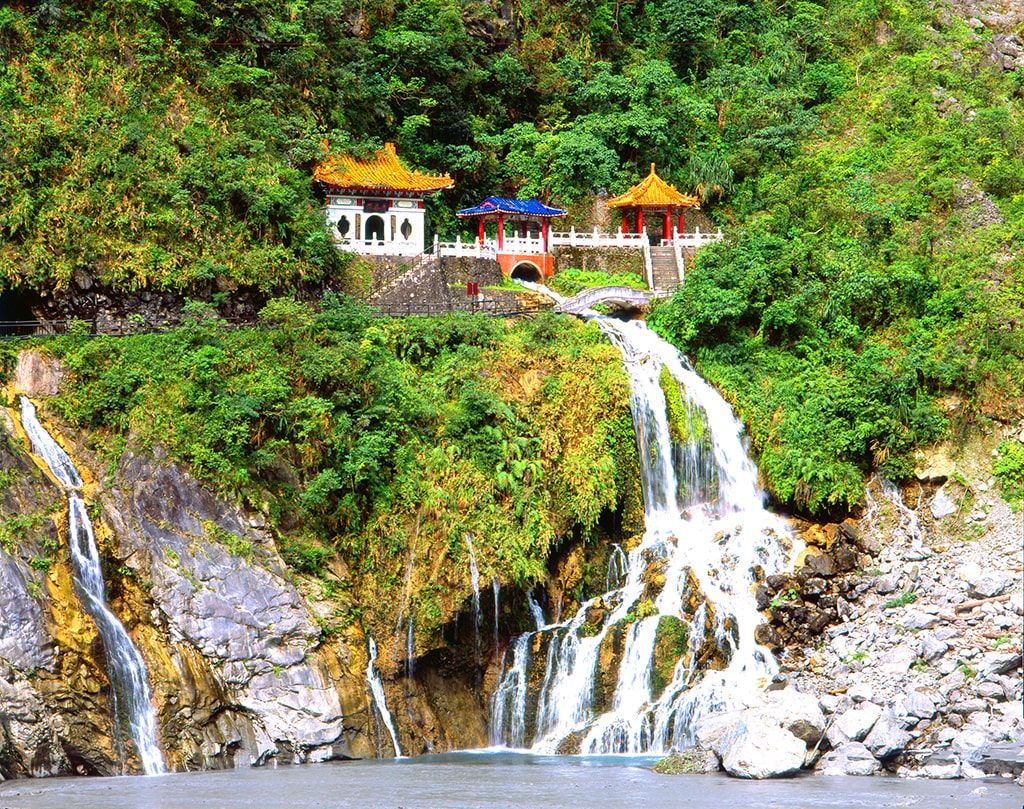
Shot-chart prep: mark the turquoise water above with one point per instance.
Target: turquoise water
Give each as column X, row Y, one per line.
column 495, row 781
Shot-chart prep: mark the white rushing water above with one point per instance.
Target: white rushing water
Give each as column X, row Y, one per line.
column 686, row 586
column 474, row 578
column 377, row 696
column 535, row 611
column 132, row 698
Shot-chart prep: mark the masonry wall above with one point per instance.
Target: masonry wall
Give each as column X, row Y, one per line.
column 609, row 260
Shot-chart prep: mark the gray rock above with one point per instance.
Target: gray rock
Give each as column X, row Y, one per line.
column 945, row 633
column 887, row 737
column 942, row 504
column 966, row 707
column 854, row 725
column 932, row 648
column 989, row 584
column 242, row 614
column 1006, row 757
column 754, row 749
column 941, row 766
column 998, row 663
column 917, row 620
column 851, row 758
column 861, row 692
column 37, row 374
column 991, row 690
column 920, row 705
column 24, row 641
column 886, row 584
column 796, row 712
column 711, row 728
column 951, row 681
column 898, row 659
column 969, row 744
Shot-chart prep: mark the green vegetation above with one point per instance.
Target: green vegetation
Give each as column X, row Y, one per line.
column 672, row 641
column 787, row 596
column 864, row 157
column 868, row 276
column 366, row 436
column 19, row 528
column 900, row 601
column 570, row 282
column 1009, row 471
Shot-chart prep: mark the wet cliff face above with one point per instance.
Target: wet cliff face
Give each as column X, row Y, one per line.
column 243, row 666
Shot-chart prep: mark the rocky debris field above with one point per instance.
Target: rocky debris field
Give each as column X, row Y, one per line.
column 899, row 637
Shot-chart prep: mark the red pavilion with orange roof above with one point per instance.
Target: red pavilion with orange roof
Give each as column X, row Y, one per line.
column 652, row 198
column 375, row 205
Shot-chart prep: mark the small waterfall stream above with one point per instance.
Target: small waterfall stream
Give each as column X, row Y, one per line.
column 125, row 667
column 474, row 578
column 378, row 698
column 672, row 639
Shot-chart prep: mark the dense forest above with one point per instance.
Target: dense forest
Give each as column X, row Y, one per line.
column 865, row 158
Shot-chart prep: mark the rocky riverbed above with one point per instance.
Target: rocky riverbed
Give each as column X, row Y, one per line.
column 899, row 637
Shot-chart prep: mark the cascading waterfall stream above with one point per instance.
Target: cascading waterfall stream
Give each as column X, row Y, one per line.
column 377, row 696
column 125, row 667
column 474, row 578
column 672, row 639
column 535, row 611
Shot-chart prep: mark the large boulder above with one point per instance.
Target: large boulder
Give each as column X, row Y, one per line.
column 887, row 737
column 854, row 725
column 754, row 748
column 710, row 729
column 851, row 758
column 796, row 712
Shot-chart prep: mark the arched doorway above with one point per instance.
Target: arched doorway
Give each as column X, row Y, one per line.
column 527, row 271
column 374, row 228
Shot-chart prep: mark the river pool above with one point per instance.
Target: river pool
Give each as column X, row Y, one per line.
column 495, row 781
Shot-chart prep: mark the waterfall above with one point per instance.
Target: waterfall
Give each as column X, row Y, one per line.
column 909, row 525
column 535, row 611
column 672, row 638
column 617, row 566
column 474, row 577
column 132, row 698
column 377, row 696
column 496, row 589
column 410, row 653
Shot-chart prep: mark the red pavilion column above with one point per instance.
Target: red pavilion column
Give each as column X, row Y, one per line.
column 625, row 224
column 682, row 218
column 639, row 220
column 668, row 225
column 501, row 232
column 544, row 234
column 480, row 230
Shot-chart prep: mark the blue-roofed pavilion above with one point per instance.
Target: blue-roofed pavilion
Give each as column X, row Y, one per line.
column 524, row 214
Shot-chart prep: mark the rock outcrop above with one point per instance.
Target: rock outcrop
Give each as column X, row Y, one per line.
column 241, row 669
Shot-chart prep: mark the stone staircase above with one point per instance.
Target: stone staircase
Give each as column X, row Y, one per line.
column 664, row 272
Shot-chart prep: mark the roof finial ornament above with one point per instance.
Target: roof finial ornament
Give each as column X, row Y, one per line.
column 652, row 168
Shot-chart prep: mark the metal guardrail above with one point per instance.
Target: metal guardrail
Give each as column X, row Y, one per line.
column 496, row 308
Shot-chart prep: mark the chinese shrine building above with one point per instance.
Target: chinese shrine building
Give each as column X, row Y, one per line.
column 650, row 200
column 376, row 205
column 525, row 253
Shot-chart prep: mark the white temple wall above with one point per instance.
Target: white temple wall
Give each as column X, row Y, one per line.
column 383, row 226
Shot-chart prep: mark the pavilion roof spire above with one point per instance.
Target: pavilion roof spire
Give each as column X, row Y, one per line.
column 382, row 173
column 654, row 192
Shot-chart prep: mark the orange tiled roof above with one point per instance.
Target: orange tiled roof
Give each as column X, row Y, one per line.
column 382, row 173
column 653, row 191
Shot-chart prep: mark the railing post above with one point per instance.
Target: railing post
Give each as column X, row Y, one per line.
column 572, row 236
